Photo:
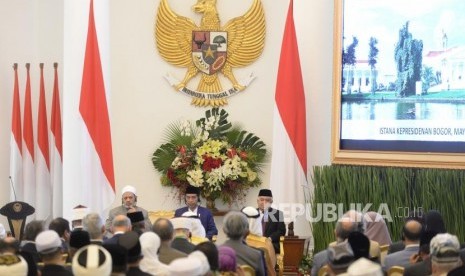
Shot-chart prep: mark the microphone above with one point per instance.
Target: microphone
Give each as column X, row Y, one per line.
column 12, row 186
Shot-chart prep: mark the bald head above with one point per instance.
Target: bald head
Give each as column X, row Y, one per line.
column 121, row 223
column 352, row 221
column 412, row 231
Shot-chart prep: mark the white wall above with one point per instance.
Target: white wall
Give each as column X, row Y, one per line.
column 143, row 104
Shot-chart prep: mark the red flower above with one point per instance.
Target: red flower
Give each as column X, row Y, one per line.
column 243, row 155
column 231, row 152
column 211, row 163
column 171, row 175
column 182, row 149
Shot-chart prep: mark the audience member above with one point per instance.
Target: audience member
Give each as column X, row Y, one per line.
column 185, row 267
column 119, row 257
column 202, row 259
column 130, row 241
column 92, row 260
column 255, row 224
column 120, row 225
column 376, row 229
column 416, row 214
column 77, row 240
column 411, row 233
column 192, row 200
column 236, row 228
column 444, row 251
column 61, row 226
column 164, row 229
column 360, row 245
column 182, row 231
column 211, row 251
column 350, row 222
column 13, row 265
column 48, row 244
column 150, row 243
column 31, row 231
column 93, row 224
column 340, row 257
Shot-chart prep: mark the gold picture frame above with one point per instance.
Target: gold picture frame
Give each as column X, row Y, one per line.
column 421, row 142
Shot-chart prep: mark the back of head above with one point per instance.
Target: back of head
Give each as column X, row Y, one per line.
column 121, row 222
column 130, row 241
column 164, row 229
column 364, row 267
column 150, row 243
column 351, row 221
column 79, row 238
column 434, row 222
column 93, row 224
column 340, row 257
column 92, row 260
column 235, row 225
column 59, row 225
column 9, row 245
column 33, row 229
column 226, row 258
column 376, row 228
column 360, row 245
column 211, row 251
column 445, row 248
column 119, row 256
column 412, row 231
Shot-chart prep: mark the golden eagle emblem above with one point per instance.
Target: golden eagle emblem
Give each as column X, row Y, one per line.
column 210, row 49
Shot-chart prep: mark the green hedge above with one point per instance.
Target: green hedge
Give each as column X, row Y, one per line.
column 395, row 190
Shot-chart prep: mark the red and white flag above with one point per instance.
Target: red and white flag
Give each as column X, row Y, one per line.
column 289, row 153
column 43, row 183
column 97, row 163
column 56, row 150
column 29, row 175
column 16, row 162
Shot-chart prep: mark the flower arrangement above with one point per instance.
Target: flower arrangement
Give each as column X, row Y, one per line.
column 222, row 160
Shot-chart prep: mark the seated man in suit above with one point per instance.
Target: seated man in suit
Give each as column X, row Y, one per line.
column 128, row 204
column 164, row 229
column 236, row 227
column 192, row 199
column 411, row 234
column 273, row 226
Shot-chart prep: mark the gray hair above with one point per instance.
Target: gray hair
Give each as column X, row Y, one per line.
column 235, row 225
column 93, row 223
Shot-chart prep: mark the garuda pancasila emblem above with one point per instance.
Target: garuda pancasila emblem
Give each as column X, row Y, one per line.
column 210, row 49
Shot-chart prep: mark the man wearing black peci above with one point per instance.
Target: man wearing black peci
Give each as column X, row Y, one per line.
column 272, row 219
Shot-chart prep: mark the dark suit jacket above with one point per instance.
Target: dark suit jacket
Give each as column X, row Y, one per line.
column 206, row 218
column 113, row 240
column 135, row 271
column 55, row 270
column 419, row 269
column 246, row 255
column 275, row 227
column 182, row 245
column 396, row 246
column 167, row 254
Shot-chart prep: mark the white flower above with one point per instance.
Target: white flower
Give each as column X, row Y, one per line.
column 176, row 163
column 195, row 177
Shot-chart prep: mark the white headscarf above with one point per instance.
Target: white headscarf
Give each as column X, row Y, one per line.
column 150, row 242
column 197, row 228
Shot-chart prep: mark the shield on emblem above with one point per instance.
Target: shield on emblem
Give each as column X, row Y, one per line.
column 209, row 50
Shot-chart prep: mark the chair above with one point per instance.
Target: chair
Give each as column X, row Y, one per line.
column 264, row 244
column 280, row 257
column 395, row 271
column 324, row 270
column 248, row 270
column 383, row 253
column 154, row 215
